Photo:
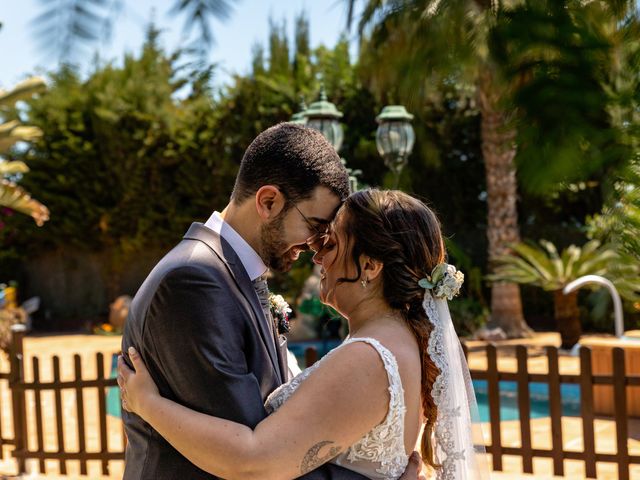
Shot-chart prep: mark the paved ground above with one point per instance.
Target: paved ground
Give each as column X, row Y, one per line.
column 88, row 345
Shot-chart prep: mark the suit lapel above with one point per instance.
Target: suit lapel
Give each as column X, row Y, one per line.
column 226, row 254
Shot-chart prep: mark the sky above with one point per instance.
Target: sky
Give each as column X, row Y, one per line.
column 235, row 37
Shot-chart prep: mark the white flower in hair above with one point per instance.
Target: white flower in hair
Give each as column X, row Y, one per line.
column 445, row 281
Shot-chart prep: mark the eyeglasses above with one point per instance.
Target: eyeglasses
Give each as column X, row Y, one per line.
column 315, row 241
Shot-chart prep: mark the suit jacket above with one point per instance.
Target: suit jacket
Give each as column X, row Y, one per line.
column 199, row 326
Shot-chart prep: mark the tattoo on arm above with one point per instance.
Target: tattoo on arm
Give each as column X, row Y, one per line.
column 313, row 460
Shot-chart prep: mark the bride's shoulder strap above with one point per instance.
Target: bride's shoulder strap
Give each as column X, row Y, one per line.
column 388, row 358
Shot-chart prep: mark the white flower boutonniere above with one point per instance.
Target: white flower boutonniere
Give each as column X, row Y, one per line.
column 280, row 311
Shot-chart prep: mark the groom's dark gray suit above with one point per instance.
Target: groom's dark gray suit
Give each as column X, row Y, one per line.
column 199, row 326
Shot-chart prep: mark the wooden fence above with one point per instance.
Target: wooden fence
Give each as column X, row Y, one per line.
column 586, row 380
column 30, row 418
column 36, row 428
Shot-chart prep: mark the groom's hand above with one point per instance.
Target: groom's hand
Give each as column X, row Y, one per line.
column 414, row 468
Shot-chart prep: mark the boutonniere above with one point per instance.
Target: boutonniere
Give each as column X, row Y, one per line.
column 280, row 311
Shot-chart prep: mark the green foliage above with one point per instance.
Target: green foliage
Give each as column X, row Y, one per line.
column 565, row 71
column 572, row 66
column 412, row 45
column 128, row 161
column 468, row 315
column 13, row 131
column 619, row 222
column 544, row 267
column 123, row 164
column 131, row 155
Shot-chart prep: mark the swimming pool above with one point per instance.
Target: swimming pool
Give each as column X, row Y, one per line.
column 539, row 394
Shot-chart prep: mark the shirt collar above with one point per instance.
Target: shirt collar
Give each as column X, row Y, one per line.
column 249, row 258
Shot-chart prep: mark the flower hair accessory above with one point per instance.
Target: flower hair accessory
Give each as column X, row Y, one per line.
column 280, row 311
column 445, row 281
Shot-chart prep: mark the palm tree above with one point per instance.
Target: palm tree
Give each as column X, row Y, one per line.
column 557, row 78
column 11, row 132
column 65, row 26
column 544, row 267
column 419, row 41
column 573, row 65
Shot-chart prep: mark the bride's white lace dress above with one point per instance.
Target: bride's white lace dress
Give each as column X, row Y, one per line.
column 380, row 454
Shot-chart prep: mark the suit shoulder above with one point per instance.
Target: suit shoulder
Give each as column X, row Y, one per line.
column 190, row 259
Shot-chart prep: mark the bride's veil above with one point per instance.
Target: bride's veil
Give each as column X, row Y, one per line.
column 458, row 439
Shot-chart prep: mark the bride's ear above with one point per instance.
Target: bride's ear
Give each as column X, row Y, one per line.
column 371, row 268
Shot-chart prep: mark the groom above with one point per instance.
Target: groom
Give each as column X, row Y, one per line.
column 201, row 319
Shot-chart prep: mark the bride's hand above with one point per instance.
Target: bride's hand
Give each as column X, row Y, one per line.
column 136, row 387
column 414, row 468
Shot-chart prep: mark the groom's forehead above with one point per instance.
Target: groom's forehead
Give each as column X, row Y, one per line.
column 323, row 204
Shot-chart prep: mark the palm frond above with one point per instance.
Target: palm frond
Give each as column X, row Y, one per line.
column 516, row 269
column 200, row 12
column 13, row 132
column 544, row 267
column 554, row 258
column 67, row 25
column 407, row 45
column 536, row 257
column 22, row 91
column 16, row 198
column 12, row 168
column 570, row 66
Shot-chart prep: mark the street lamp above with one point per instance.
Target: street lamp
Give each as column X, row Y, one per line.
column 395, row 138
column 323, row 115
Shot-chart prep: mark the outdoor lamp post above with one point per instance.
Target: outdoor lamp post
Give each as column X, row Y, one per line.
column 323, row 115
column 395, row 138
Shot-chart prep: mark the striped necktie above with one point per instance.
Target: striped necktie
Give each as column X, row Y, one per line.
column 262, row 289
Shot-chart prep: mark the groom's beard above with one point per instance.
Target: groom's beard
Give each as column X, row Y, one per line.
column 274, row 249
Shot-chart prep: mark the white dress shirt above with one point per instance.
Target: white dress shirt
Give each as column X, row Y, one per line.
column 249, row 258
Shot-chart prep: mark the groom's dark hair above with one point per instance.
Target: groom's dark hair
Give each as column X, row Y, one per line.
column 294, row 158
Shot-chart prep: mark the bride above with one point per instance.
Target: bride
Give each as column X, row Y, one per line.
column 364, row 405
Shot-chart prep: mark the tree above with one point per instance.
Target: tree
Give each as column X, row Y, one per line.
column 412, row 44
column 546, row 268
column 13, row 131
column 556, row 78
column 133, row 165
column 619, row 222
column 573, row 64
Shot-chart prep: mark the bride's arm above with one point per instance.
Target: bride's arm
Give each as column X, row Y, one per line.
column 333, row 408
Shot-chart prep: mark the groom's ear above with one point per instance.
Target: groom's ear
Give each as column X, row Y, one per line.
column 269, row 202
column 371, row 268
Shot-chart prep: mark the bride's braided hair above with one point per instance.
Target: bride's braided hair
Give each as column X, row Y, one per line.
column 404, row 234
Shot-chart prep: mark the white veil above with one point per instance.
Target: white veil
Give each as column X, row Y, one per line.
column 458, row 442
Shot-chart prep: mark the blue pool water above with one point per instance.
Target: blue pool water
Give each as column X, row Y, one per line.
column 322, row 346
column 539, row 394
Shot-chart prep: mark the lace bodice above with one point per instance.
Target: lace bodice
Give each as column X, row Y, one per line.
column 380, row 454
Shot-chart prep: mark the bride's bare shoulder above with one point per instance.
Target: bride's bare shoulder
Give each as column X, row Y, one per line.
column 402, row 343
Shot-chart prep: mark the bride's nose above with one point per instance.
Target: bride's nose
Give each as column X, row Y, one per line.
column 317, row 257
